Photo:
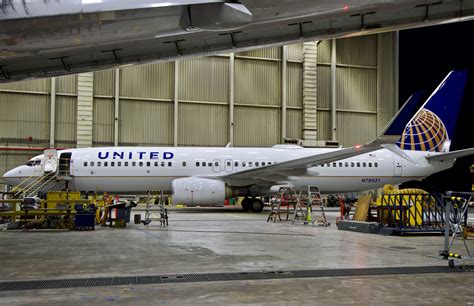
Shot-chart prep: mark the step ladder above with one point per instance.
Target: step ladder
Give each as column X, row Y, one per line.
column 456, row 205
column 309, row 201
column 285, row 198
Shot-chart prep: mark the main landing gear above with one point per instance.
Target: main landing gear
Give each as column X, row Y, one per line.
column 253, row 204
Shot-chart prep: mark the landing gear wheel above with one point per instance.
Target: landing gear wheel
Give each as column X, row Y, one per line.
column 257, row 205
column 246, row 204
column 451, row 263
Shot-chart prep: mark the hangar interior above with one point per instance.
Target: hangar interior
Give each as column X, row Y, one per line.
column 322, row 93
column 334, row 90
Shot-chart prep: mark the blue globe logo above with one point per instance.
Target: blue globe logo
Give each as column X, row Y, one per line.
column 424, row 133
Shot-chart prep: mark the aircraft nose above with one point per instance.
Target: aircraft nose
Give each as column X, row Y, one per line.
column 11, row 176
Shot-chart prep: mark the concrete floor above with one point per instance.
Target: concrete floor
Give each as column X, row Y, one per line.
column 226, row 240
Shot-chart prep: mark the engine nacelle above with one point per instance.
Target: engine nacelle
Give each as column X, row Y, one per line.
column 199, row 191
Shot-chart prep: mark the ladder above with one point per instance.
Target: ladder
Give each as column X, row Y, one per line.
column 285, row 198
column 456, row 206
column 305, row 211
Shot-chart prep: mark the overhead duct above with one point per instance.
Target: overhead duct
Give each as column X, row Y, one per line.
column 215, row 16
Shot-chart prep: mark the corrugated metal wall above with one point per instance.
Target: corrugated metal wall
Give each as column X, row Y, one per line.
column 365, row 100
column 24, row 116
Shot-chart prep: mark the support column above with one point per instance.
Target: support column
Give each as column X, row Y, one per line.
column 379, row 83
column 176, row 100
column 284, row 70
column 85, row 98
column 396, row 38
column 310, row 126
column 52, row 111
column 333, row 91
column 231, row 98
column 116, row 107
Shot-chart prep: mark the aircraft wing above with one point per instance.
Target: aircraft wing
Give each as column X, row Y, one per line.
column 281, row 171
column 48, row 38
column 275, row 173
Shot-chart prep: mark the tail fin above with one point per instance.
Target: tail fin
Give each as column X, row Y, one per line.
column 433, row 124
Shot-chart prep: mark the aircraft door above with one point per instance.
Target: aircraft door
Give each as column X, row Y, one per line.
column 229, row 167
column 216, row 165
column 65, row 164
column 397, row 165
column 50, row 163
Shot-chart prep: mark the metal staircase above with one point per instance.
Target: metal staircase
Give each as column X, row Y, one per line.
column 33, row 185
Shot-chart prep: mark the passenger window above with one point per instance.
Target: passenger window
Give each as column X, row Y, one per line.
column 85, row 164
column 125, row 164
column 370, row 165
column 346, row 164
column 106, row 164
column 340, row 165
column 256, row 164
column 92, row 164
column 263, row 163
column 216, row 164
column 376, row 164
column 358, row 164
column 329, row 165
column 119, row 164
column 209, row 164
column 364, row 165
column 162, row 164
column 134, row 164
column 236, row 164
column 229, row 163
column 352, row 164
column 112, row 164
column 334, row 164
column 250, row 164
column 140, row 164
column 244, row 164
column 148, row 164
column 184, row 164
column 197, row 164
column 322, row 165
column 169, row 164
column 98, row 164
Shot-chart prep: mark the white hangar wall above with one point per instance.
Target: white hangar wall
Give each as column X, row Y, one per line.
column 253, row 98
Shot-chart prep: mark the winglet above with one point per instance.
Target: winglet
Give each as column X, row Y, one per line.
column 396, row 126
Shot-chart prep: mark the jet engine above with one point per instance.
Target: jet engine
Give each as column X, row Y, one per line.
column 199, row 191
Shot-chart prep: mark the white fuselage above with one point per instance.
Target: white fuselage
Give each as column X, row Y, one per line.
column 140, row 169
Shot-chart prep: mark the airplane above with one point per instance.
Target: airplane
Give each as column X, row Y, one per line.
column 41, row 38
column 408, row 149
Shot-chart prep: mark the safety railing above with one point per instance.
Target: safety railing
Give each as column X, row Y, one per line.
column 404, row 213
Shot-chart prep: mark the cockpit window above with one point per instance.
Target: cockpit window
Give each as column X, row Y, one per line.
column 37, row 162
column 30, row 163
